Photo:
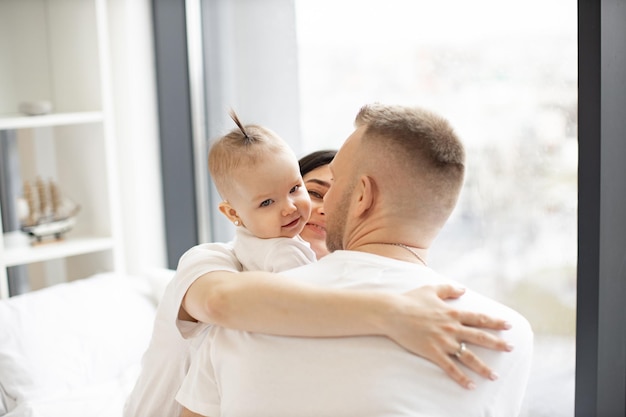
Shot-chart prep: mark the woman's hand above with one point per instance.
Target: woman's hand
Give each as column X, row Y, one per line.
column 429, row 327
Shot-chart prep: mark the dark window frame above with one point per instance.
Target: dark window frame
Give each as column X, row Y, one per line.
column 601, row 323
column 175, row 128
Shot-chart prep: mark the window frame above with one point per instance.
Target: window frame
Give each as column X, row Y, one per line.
column 601, row 280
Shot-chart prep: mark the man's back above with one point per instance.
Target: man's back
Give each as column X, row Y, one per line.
column 248, row 374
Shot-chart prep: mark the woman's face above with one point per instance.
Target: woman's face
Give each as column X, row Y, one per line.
column 317, row 183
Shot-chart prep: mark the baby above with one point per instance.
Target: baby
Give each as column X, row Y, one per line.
column 258, row 176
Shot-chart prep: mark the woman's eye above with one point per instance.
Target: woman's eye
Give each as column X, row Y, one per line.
column 266, row 203
column 315, row 194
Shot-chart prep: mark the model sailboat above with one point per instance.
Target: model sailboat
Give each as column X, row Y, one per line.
column 45, row 212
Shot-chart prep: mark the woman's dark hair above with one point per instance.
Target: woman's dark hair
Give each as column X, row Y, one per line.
column 315, row 160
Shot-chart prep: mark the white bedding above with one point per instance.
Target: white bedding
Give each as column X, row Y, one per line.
column 75, row 349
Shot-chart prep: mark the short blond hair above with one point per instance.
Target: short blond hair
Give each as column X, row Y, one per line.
column 421, row 144
column 243, row 146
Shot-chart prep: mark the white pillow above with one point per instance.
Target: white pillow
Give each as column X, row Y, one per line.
column 64, row 338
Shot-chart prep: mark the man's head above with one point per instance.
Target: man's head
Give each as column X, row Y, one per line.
column 258, row 176
column 396, row 178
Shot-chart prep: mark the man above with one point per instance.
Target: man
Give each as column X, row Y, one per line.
column 396, row 181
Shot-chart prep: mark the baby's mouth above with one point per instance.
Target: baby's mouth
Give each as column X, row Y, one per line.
column 292, row 223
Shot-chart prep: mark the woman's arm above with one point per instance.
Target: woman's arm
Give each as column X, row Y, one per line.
column 420, row 321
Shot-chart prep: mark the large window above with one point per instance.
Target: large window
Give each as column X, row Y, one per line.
column 506, row 77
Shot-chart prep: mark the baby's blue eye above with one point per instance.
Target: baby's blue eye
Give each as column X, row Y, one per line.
column 294, row 189
column 266, row 203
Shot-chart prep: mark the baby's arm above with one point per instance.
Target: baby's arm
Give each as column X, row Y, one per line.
column 419, row 320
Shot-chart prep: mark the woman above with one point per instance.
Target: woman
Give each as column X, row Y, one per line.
column 316, row 175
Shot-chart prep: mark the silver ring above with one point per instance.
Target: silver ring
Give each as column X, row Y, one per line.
column 461, row 350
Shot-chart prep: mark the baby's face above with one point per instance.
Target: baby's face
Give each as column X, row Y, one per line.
column 270, row 197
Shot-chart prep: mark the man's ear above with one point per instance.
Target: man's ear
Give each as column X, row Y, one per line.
column 230, row 213
column 364, row 195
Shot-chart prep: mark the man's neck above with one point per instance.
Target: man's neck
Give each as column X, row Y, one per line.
column 395, row 250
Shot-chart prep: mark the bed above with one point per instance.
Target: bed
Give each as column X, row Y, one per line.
column 74, row 349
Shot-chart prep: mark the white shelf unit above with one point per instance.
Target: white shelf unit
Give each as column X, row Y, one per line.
column 57, row 50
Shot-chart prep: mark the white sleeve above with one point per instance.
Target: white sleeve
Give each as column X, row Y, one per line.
column 194, row 263
column 199, row 392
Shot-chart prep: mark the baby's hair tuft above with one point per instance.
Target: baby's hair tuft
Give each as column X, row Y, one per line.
column 233, row 115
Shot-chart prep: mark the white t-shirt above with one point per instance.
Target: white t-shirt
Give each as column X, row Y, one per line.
column 167, row 358
column 271, row 255
column 169, row 354
column 237, row 374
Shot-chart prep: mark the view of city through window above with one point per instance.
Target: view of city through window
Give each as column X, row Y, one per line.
column 505, row 75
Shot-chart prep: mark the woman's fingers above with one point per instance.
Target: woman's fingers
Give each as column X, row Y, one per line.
column 469, row 318
column 452, row 369
column 463, row 355
column 484, row 321
column 482, row 338
column 447, row 292
column 466, row 356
